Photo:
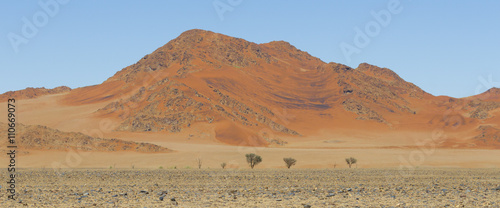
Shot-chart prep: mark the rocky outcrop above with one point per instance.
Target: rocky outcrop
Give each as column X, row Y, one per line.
column 489, row 136
column 364, row 112
column 249, row 112
column 481, row 108
column 164, row 106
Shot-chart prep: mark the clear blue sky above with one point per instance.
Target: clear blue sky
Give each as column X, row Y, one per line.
column 445, row 47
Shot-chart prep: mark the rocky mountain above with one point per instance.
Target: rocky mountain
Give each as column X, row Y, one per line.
column 255, row 94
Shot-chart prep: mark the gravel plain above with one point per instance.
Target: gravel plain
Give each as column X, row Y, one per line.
column 422, row 187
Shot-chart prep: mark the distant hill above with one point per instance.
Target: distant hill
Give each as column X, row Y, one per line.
column 36, row 137
column 30, row 92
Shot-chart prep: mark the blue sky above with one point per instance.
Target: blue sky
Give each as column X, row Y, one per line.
column 445, row 47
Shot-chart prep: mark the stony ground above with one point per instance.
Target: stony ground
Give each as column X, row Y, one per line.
column 255, row 188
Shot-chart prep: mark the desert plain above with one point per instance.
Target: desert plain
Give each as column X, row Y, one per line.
column 371, row 187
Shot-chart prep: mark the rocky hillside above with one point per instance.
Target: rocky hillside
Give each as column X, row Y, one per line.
column 37, row 137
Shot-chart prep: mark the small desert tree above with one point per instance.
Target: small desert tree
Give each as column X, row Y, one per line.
column 223, row 165
column 351, row 161
column 289, row 162
column 253, row 159
column 199, row 163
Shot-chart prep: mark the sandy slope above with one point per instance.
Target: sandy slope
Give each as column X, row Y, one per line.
column 322, row 150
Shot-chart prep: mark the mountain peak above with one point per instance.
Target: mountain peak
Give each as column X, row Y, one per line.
column 196, row 48
column 494, row 90
column 195, row 31
column 197, row 35
column 282, row 43
column 378, row 72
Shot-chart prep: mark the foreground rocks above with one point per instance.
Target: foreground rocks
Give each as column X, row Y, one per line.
column 256, row 188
